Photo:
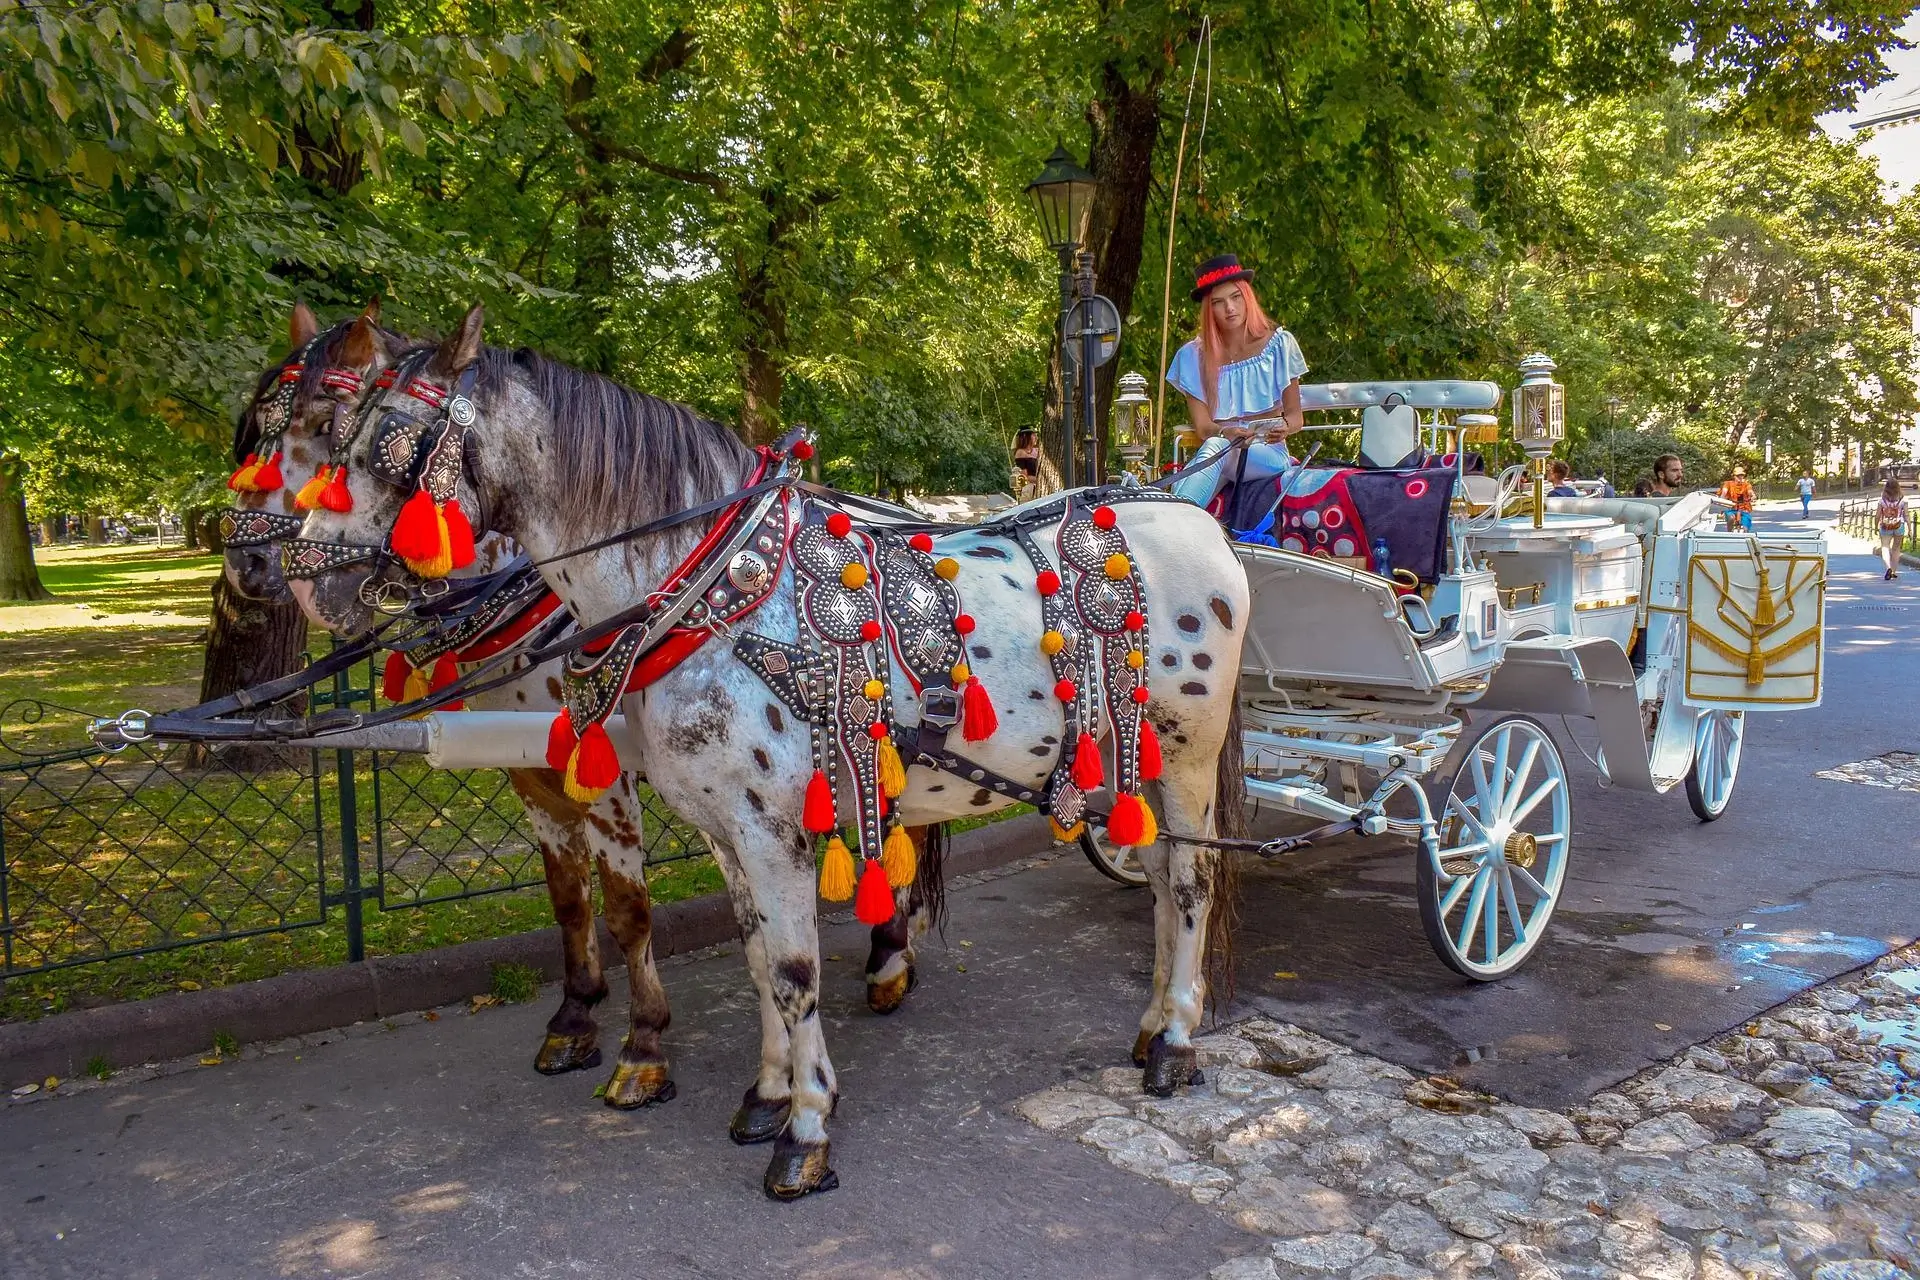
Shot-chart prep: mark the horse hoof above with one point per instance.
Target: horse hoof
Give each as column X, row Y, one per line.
column 798, row 1169
column 1140, row 1043
column 1168, row 1067
column 638, row 1084
column 560, row 1054
column 887, row 997
column 758, row 1120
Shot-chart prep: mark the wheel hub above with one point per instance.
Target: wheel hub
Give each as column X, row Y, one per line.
column 1521, row 849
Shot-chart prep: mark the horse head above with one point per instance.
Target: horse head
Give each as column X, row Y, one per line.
column 281, row 441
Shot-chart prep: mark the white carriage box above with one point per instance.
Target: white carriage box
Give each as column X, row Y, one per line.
column 1754, row 612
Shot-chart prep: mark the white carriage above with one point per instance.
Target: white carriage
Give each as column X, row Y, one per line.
column 1415, row 714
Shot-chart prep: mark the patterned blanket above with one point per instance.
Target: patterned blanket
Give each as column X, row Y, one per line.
column 1342, row 511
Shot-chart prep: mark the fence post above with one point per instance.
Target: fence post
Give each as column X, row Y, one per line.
column 351, row 894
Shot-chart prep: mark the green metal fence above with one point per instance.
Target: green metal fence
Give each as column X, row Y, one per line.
column 164, row 845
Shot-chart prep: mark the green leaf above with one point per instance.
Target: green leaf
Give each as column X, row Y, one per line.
column 179, row 19
column 411, row 137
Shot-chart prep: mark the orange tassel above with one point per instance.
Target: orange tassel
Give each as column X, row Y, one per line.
column 393, row 677
column 336, row 497
column 1088, row 774
column 977, row 717
column 560, row 741
column 268, row 477
column 243, row 474
column 1149, row 752
column 873, row 903
column 310, row 493
column 1125, row 823
column 817, row 814
column 459, row 534
column 596, row 765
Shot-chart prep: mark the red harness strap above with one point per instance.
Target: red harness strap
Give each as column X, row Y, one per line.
column 488, row 645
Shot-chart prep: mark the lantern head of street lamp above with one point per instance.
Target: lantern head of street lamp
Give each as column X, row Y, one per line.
column 1061, row 196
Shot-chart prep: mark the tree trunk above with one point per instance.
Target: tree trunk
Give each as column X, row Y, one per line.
column 248, row 641
column 49, row 533
column 19, row 579
column 97, row 530
column 210, row 533
column 190, row 529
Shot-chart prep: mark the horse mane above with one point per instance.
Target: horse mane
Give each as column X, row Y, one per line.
column 246, row 432
column 623, row 457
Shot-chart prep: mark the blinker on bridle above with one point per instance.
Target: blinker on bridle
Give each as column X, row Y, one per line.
column 431, row 536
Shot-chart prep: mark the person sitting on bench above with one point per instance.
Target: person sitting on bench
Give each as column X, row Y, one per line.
column 1242, row 367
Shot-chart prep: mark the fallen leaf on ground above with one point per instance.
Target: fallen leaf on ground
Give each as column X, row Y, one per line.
column 188, row 984
column 1661, row 1026
column 1285, row 973
column 26, row 1090
column 213, row 1061
column 51, row 1082
column 429, row 1016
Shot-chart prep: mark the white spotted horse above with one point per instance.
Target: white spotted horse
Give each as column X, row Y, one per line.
column 281, row 448
column 810, row 657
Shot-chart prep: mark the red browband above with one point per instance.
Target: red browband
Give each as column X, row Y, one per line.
column 419, row 388
column 342, row 380
column 292, row 372
column 1214, row 276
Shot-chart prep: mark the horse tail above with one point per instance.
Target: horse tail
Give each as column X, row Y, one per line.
column 1229, row 823
column 930, row 881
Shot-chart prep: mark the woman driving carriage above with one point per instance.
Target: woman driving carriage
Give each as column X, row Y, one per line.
column 1241, row 369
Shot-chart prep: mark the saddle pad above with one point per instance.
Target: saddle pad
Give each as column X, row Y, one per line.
column 1340, row 511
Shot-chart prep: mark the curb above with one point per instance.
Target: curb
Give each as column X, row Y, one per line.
column 290, row 1004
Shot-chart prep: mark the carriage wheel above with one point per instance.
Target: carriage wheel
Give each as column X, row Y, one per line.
column 1717, row 737
column 1115, row 862
column 1489, row 884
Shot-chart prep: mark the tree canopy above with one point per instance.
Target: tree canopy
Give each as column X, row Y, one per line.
column 811, row 211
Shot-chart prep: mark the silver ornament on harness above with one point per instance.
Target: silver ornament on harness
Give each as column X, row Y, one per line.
column 749, row 572
column 460, row 409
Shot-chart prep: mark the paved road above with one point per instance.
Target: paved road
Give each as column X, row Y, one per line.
column 433, row 1150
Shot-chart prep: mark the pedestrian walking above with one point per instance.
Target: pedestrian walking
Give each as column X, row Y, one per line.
column 1891, row 515
column 1806, row 494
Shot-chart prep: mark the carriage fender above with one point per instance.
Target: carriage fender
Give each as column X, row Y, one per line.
column 1577, row 676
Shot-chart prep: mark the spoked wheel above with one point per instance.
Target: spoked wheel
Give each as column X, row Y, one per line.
column 1505, row 823
column 1116, row 862
column 1717, row 736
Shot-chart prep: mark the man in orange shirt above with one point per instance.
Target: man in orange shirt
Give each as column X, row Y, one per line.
column 1738, row 494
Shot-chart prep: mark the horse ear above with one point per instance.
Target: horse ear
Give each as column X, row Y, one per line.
column 363, row 346
column 371, row 312
column 462, row 347
column 302, row 327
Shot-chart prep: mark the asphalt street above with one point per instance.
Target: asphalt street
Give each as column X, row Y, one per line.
column 432, row 1149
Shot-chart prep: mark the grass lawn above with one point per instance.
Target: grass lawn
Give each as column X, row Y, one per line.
column 125, row 629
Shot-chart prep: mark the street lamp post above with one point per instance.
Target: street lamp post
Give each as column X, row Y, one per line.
column 1062, row 196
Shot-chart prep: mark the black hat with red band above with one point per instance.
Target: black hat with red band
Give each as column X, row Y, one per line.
column 1218, row 271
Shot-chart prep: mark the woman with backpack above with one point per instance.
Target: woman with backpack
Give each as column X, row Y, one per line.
column 1891, row 515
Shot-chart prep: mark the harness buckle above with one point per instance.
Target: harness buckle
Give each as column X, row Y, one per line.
column 940, row 708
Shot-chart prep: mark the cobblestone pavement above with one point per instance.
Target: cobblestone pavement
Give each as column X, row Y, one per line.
column 1784, row 1151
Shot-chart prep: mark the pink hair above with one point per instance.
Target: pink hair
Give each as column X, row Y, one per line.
column 1213, row 343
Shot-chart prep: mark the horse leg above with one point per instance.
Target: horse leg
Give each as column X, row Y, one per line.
column 762, row 1112
column 640, row 1074
column 1159, row 1011
column 890, row 972
column 1190, row 871
column 573, row 1037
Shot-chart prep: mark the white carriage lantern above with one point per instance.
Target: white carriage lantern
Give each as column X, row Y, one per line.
column 1132, row 423
column 1539, row 421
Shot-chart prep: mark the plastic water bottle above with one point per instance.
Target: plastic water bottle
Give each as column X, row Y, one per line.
column 1382, row 558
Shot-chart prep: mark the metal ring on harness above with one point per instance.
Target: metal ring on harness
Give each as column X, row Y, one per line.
column 386, row 595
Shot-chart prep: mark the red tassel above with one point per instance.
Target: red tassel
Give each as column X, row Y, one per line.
column 1088, row 775
column 1149, row 752
column 393, row 677
column 459, row 534
column 596, row 764
column 416, row 530
column 978, row 720
column 1128, row 821
column 560, row 741
column 335, row 496
column 818, row 811
column 445, row 672
column 873, row 901
column 268, row 477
